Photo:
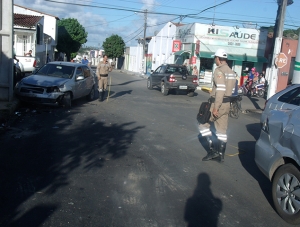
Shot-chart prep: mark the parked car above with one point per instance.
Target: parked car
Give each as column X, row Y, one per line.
column 277, row 154
column 172, row 77
column 28, row 64
column 57, row 83
column 288, row 98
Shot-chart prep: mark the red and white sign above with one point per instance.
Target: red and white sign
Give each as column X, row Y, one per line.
column 197, row 50
column 176, row 45
column 192, row 60
column 281, row 60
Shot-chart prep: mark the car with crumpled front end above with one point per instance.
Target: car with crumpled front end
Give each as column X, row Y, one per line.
column 57, row 83
column 277, row 154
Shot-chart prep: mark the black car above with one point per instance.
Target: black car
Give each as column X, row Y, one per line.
column 170, row 76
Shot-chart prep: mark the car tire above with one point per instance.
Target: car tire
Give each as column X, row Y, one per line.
column 149, row 84
column 284, row 185
column 91, row 95
column 67, row 100
column 191, row 93
column 164, row 90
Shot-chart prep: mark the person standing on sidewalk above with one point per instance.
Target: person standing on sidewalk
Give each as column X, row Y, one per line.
column 224, row 80
column 103, row 69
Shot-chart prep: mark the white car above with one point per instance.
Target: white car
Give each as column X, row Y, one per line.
column 57, row 83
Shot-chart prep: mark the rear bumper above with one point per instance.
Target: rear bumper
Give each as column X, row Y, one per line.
column 181, row 86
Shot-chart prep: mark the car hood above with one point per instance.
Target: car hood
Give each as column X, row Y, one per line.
column 44, row 81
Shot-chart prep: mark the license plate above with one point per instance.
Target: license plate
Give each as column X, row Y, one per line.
column 182, row 87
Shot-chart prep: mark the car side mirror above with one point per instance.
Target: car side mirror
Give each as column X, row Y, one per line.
column 79, row 77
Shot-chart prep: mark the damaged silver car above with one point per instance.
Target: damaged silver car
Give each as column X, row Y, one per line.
column 57, row 83
column 277, row 154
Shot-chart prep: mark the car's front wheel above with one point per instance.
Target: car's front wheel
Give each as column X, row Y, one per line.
column 67, row 100
column 286, row 193
column 164, row 90
column 91, row 95
column 149, row 84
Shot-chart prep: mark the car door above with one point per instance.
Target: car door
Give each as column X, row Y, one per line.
column 80, row 83
column 157, row 75
column 89, row 81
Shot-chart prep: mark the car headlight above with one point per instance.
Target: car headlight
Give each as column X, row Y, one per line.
column 53, row 89
column 18, row 84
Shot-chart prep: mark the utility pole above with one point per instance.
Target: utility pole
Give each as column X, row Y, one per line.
column 273, row 71
column 144, row 40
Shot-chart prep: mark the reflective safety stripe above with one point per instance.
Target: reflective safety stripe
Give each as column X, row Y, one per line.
column 222, row 137
column 230, row 76
column 204, row 130
column 221, row 89
column 206, row 133
column 220, row 85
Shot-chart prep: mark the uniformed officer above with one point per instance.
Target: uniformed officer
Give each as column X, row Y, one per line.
column 103, row 68
column 224, row 80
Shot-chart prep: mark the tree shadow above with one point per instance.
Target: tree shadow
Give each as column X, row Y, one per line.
column 125, row 83
column 41, row 156
column 247, row 158
column 202, row 209
column 119, row 94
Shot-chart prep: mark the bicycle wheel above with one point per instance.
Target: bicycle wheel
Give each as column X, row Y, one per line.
column 234, row 110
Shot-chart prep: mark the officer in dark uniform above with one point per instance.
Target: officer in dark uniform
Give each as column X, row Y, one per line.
column 224, row 80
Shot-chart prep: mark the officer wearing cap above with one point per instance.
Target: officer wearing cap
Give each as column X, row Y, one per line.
column 223, row 83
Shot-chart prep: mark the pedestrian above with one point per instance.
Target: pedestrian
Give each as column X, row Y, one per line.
column 29, row 54
column 195, row 71
column 261, row 83
column 224, row 80
column 85, row 61
column 103, row 69
column 48, row 58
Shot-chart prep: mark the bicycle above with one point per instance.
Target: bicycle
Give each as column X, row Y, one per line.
column 235, row 106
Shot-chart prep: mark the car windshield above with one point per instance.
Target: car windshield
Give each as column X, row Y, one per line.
column 61, row 71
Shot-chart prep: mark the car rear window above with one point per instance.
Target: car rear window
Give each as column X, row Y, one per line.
column 174, row 69
column 291, row 97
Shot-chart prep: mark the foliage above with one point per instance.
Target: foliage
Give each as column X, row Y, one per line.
column 71, row 35
column 114, row 46
column 288, row 33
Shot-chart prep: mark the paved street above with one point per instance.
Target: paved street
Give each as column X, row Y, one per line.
column 133, row 160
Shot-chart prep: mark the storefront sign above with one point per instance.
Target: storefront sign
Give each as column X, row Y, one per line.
column 227, row 36
column 176, row 45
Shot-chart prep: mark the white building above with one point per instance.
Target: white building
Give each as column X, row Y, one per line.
column 49, row 29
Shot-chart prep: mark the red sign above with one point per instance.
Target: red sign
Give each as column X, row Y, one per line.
column 197, row 47
column 281, row 60
column 176, row 45
column 192, row 60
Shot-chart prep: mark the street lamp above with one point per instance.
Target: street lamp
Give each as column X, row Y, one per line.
column 47, row 40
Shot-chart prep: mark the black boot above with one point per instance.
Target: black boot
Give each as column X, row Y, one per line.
column 221, row 150
column 101, row 95
column 212, row 153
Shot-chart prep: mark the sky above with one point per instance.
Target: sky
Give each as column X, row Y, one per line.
column 126, row 18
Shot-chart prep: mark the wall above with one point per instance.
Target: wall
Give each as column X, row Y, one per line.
column 6, row 56
column 289, row 47
column 160, row 46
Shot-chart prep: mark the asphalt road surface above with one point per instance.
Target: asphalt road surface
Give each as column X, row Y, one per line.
column 132, row 160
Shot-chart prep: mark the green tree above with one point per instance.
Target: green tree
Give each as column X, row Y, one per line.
column 114, row 46
column 71, row 35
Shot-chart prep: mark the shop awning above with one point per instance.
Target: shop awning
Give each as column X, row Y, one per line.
column 180, row 52
column 256, row 59
column 203, row 54
column 236, row 57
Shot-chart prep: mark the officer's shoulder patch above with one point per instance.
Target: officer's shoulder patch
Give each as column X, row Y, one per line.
column 219, row 74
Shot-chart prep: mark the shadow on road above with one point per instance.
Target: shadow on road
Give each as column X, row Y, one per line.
column 202, row 209
column 254, row 102
column 42, row 152
column 247, row 158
